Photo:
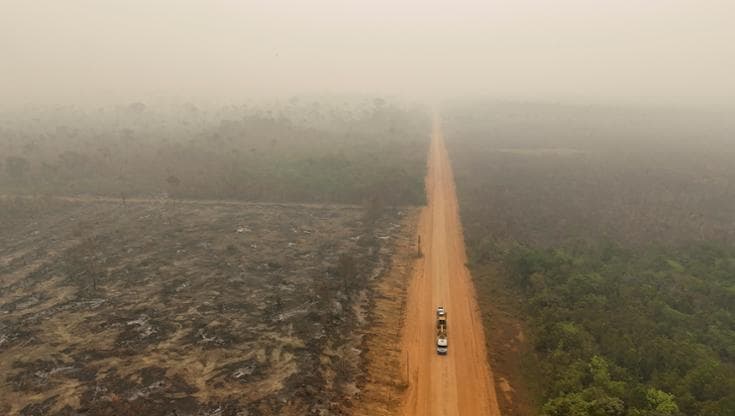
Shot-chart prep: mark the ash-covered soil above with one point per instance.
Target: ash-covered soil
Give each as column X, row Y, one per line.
column 186, row 308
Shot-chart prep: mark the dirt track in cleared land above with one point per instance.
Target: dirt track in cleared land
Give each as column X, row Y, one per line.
column 461, row 382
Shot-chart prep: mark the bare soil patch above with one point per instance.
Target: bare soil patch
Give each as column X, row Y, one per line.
column 386, row 380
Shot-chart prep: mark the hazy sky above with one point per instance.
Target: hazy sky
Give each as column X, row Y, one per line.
column 670, row 51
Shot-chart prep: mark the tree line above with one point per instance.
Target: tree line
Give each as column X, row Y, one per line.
column 294, row 152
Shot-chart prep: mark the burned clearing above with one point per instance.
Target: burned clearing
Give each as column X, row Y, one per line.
column 186, row 308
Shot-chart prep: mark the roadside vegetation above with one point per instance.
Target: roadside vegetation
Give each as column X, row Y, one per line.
column 615, row 229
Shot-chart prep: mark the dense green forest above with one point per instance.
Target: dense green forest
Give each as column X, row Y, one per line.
column 620, row 251
column 358, row 151
column 632, row 332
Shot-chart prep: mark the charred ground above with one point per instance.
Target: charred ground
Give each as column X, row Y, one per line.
column 192, row 308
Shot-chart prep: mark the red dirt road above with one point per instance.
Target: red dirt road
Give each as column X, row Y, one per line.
column 459, row 383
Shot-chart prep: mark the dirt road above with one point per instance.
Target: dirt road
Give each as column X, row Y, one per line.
column 459, row 383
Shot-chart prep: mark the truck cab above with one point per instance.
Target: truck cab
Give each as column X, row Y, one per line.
column 441, row 345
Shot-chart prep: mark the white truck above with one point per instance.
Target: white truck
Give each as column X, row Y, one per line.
column 441, row 331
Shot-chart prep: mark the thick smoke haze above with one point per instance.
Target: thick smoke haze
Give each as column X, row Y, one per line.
column 676, row 52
